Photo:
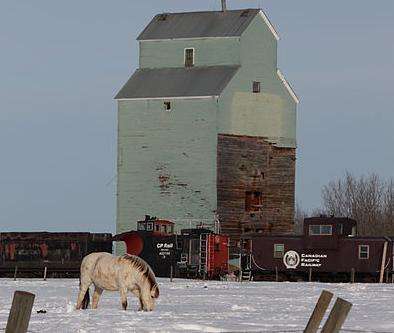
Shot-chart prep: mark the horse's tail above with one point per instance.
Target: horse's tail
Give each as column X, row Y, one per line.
column 86, row 298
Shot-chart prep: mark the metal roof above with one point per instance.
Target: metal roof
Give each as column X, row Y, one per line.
column 230, row 23
column 177, row 82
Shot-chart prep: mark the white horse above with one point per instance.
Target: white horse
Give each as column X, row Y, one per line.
column 123, row 274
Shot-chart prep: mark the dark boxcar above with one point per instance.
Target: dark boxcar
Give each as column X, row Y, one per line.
column 329, row 250
column 29, row 253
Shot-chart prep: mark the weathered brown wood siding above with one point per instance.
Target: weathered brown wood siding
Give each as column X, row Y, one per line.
column 247, row 164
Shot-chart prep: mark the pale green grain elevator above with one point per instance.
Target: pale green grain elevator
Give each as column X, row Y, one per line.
column 207, row 125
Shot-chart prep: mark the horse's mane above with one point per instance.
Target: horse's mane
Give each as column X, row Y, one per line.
column 145, row 270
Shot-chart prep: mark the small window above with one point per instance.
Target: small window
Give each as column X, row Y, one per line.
column 279, row 250
column 363, row 252
column 253, row 201
column 189, row 57
column 256, row 87
column 157, row 227
column 149, row 226
column 320, row 230
column 326, row 230
column 141, row 226
column 167, row 106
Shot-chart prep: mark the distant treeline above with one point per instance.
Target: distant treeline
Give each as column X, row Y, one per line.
column 367, row 199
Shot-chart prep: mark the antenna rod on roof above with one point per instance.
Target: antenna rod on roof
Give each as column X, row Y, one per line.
column 224, row 6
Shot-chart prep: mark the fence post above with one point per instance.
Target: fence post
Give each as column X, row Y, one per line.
column 15, row 272
column 19, row 317
column 352, row 275
column 383, row 263
column 337, row 316
column 45, row 273
column 319, row 311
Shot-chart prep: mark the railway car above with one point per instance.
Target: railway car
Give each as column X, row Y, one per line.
column 329, row 250
column 193, row 253
column 26, row 254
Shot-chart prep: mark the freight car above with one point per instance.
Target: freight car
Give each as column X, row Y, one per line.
column 193, row 253
column 28, row 253
column 329, row 250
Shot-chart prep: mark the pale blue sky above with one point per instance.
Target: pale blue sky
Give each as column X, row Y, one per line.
column 61, row 63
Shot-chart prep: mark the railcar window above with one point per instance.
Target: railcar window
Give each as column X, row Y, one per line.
column 149, row 227
column 326, row 229
column 320, row 230
column 363, row 252
column 279, row 250
column 141, row 226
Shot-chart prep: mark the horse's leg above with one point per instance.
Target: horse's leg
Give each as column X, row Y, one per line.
column 137, row 293
column 83, row 289
column 123, row 297
column 96, row 296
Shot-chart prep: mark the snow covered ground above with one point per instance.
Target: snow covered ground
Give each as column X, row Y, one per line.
column 197, row 306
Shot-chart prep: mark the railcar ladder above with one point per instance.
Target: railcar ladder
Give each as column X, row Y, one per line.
column 246, row 276
column 211, row 253
column 203, row 254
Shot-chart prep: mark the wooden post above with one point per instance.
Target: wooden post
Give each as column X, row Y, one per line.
column 171, row 273
column 276, row 274
column 19, row 317
column 352, row 275
column 319, row 311
column 15, row 272
column 310, row 274
column 45, row 273
column 387, row 276
column 337, row 316
column 383, row 262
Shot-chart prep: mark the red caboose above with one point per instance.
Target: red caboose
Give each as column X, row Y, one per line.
column 197, row 252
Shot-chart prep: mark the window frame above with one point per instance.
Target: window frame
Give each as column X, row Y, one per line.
column 149, row 226
column 320, row 230
column 365, row 252
column 251, row 197
column 185, row 58
column 167, row 106
column 279, row 254
column 256, row 87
